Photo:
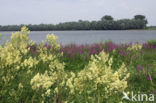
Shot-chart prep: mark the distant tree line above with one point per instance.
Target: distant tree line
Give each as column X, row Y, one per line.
column 151, row 27
column 106, row 23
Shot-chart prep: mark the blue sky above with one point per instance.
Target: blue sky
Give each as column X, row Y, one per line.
column 55, row 11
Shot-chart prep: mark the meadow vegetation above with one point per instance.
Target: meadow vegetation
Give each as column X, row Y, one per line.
column 51, row 73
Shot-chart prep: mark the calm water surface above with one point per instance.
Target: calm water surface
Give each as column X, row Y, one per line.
column 89, row 37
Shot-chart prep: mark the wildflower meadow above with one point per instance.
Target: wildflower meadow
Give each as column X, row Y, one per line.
column 90, row 73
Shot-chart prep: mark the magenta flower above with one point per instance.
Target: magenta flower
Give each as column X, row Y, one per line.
column 80, row 52
column 155, row 92
column 149, row 77
column 138, row 66
column 131, row 57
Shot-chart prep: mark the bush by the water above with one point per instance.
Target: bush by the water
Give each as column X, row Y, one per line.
column 51, row 73
column 152, row 42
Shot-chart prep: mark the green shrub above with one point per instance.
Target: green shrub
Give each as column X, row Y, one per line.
column 152, row 42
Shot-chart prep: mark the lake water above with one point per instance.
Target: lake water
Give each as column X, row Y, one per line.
column 83, row 37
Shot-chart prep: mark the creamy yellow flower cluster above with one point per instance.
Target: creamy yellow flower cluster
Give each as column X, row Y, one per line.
column 46, row 80
column 20, row 39
column 42, row 81
column 12, row 53
column 97, row 79
column 19, row 69
column 98, row 75
column 30, row 62
column 52, row 82
column 9, row 55
column 51, row 40
column 135, row 47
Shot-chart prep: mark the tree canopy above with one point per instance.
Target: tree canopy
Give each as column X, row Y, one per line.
column 107, row 17
column 107, row 22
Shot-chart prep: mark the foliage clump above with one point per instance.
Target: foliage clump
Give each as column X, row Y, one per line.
column 97, row 81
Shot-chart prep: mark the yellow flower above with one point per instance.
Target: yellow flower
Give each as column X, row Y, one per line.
column 98, row 75
column 41, row 81
column 135, row 47
column 56, row 90
column 20, row 86
column 52, row 41
column 48, row 92
column 30, row 62
column 51, row 37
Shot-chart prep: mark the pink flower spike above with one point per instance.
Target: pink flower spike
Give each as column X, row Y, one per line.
column 149, row 77
column 155, row 92
column 138, row 66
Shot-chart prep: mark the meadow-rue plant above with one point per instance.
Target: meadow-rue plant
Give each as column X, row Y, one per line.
column 98, row 79
column 19, row 69
column 135, row 47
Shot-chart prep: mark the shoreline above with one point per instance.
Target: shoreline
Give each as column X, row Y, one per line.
column 87, row 30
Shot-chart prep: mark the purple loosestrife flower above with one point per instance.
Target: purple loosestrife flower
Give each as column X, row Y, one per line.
column 68, row 51
column 121, row 53
column 61, row 50
column 125, row 54
column 48, row 46
column 73, row 51
column 45, row 44
column 131, row 57
column 79, row 51
column 82, row 47
column 59, row 102
column 27, row 47
column 94, row 51
column 155, row 92
column 149, row 77
column 87, row 46
column 138, row 66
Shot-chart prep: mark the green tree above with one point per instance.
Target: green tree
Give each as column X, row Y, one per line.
column 139, row 17
column 105, row 23
column 107, row 17
column 140, row 21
